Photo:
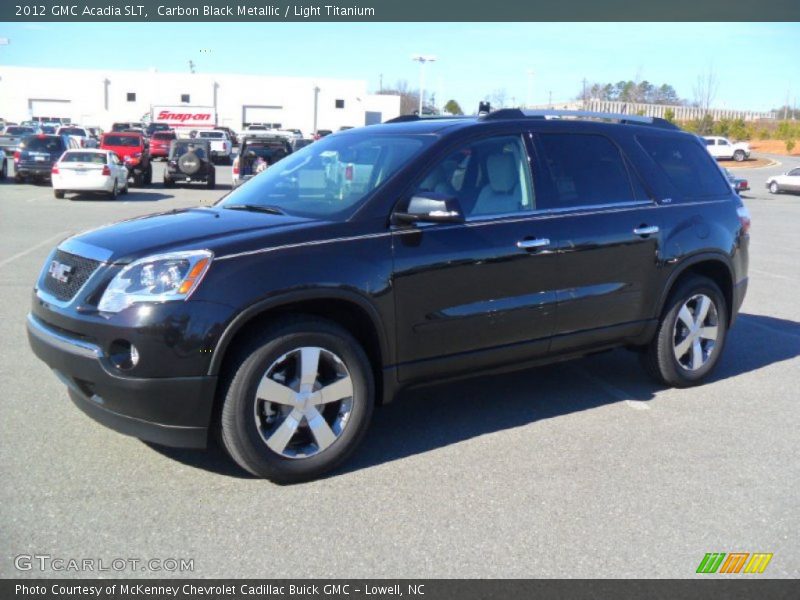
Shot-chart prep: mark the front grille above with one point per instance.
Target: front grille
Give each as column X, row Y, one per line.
column 80, row 269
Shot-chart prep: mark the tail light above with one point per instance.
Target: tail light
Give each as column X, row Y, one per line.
column 744, row 218
column 106, row 170
column 348, row 172
column 16, row 156
column 83, row 143
column 236, row 167
column 54, row 170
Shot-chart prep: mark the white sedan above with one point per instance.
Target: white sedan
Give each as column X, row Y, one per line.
column 88, row 170
column 788, row 182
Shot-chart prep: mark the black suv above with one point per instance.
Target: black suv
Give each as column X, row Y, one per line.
column 390, row 256
column 190, row 161
column 38, row 153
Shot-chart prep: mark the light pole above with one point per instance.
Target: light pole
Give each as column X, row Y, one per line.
column 422, row 60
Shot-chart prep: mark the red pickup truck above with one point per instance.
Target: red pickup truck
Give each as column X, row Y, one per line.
column 134, row 152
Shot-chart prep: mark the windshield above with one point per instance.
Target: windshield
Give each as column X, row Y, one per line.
column 46, row 144
column 330, row 177
column 164, row 135
column 88, row 157
column 216, row 135
column 121, row 140
column 182, row 148
column 72, row 131
column 12, row 130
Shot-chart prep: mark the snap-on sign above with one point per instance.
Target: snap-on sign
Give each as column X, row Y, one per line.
column 168, row 116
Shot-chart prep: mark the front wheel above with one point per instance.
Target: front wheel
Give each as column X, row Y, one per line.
column 690, row 336
column 298, row 400
column 113, row 193
column 773, row 187
column 59, row 194
column 738, row 156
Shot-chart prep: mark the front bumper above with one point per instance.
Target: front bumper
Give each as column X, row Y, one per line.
column 174, row 411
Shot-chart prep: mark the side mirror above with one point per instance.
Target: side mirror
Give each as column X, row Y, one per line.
column 431, row 207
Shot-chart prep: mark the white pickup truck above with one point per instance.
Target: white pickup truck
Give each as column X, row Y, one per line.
column 219, row 144
column 721, row 148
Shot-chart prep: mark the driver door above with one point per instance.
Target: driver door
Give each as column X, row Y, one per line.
column 481, row 292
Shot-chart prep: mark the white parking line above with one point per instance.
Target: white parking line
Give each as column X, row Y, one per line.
column 58, row 236
column 611, row 390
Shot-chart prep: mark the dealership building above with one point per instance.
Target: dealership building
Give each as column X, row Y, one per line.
column 101, row 97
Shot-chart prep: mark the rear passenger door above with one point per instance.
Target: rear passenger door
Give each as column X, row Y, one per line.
column 608, row 232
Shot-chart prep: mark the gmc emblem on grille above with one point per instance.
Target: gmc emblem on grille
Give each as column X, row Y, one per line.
column 59, row 271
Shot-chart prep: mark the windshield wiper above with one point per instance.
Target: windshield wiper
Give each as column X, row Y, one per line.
column 262, row 208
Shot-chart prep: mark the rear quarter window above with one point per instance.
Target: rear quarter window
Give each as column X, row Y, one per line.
column 687, row 164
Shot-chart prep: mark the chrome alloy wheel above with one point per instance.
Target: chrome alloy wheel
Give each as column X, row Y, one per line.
column 696, row 332
column 303, row 402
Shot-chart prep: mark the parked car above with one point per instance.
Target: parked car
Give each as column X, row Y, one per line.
column 121, row 126
column 788, row 182
column 738, row 184
column 81, row 135
column 154, row 127
column 133, row 150
column 279, row 317
column 160, row 142
column 231, row 134
column 321, row 133
column 37, row 154
column 219, row 144
column 89, row 170
column 13, row 135
column 96, row 133
column 190, row 162
column 3, row 165
column 256, row 154
column 721, row 148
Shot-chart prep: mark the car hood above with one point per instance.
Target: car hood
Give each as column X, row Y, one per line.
column 222, row 231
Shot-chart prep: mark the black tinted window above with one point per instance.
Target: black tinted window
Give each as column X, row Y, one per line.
column 687, row 164
column 45, row 144
column 585, row 169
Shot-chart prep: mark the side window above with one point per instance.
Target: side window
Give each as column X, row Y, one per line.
column 709, row 142
column 692, row 170
column 723, row 142
column 794, row 173
column 586, row 170
column 488, row 177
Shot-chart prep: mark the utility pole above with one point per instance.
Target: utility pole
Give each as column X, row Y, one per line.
column 191, row 67
column 316, row 107
column 583, row 103
column 550, row 99
column 380, row 82
column 422, row 60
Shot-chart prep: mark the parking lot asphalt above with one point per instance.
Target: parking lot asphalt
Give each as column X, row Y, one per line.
column 580, row 469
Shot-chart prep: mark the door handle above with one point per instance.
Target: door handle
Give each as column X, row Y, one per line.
column 646, row 230
column 537, row 243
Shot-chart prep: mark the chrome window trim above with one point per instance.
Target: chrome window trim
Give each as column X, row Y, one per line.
column 84, row 250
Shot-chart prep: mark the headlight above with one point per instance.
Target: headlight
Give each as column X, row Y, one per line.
column 157, row 278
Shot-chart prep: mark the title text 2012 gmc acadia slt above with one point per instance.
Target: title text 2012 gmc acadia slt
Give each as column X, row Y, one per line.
column 389, row 256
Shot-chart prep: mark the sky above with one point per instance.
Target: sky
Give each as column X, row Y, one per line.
column 757, row 65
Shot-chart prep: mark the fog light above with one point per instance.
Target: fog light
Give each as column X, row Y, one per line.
column 124, row 355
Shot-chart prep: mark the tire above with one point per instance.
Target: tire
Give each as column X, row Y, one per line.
column 738, row 156
column 125, row 189
column 112, row 195
column 773, row 188
column 18, row 178
column 148, row 177
column 247, row 422
column 212, row 181
column 673, row 335
column 4, row 171
column 168, row 182
column 58, row 194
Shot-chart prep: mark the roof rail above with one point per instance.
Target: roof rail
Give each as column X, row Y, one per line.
column 409, row 118
column 515, row 113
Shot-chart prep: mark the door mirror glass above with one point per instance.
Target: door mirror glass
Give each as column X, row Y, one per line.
column 431, row 207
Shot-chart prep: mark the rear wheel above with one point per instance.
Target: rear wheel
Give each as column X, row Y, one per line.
column 4, row 171
column 691, row 334
column 168, row 181
column 148, row 176
column 773, row 188
column 212, row 180
column 297, row 401
column 113, row 193
column 58, row 194
column 18, row 178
